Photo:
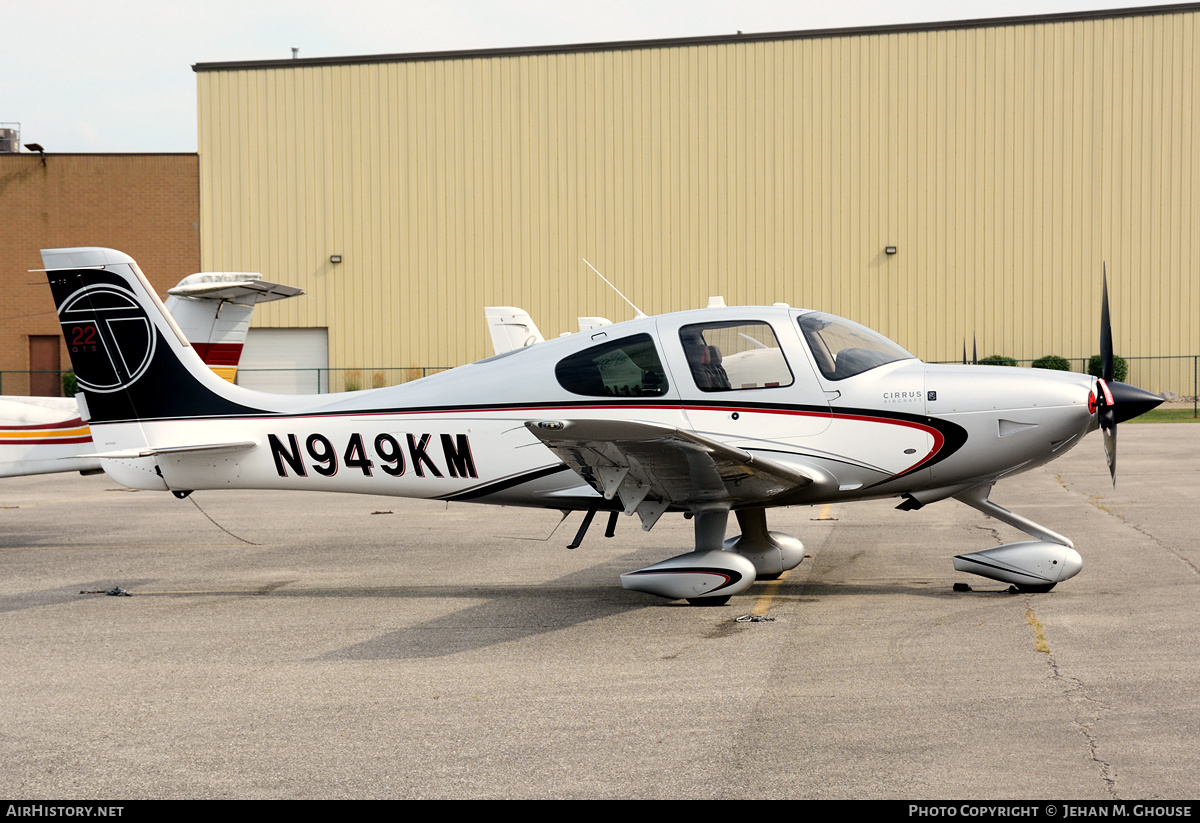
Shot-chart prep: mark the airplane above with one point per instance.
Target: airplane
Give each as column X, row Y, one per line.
column 702, row 412
column 45, row 435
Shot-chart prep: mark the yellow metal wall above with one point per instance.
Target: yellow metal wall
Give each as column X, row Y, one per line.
column 1005, row 162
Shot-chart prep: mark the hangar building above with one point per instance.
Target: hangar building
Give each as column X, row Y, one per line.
column 1004, row 160
column 143, row 204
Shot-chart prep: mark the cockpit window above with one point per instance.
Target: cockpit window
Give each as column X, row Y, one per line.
column 737, row 355
column 843, row 349
column 629, row 367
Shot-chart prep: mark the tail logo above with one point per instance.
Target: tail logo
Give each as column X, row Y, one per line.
column 110, row 335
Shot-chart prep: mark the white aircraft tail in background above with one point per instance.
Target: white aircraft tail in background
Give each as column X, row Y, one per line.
column 511, row 328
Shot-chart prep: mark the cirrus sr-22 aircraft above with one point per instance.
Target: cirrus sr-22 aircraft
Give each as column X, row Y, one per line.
column 701, row 412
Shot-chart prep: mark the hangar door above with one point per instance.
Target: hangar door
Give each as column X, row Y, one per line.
column 287, row 361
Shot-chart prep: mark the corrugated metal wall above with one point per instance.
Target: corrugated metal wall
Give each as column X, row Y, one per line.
column 1005, row 163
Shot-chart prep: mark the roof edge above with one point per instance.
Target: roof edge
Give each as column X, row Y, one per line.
column 37, row 155
column 720, row 39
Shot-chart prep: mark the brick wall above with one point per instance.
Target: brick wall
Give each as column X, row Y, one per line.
column 146, row 205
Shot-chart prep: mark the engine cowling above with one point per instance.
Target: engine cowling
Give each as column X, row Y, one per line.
column 1034, row 565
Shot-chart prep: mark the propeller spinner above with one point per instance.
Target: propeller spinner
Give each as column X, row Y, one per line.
column 1117, row 402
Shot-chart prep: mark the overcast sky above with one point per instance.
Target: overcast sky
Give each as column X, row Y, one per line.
column 116, row 75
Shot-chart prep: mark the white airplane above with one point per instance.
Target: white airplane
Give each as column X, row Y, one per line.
column 44, row 435
column 700, row 412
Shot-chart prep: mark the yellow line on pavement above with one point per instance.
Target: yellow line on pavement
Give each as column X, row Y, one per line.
column 770, row 587
column 768, row 595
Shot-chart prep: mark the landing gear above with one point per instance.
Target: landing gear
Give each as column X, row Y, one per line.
column 1034, row 566
column 703, row 576
column 1025, row 588
column 719, row 568
column 772, row 553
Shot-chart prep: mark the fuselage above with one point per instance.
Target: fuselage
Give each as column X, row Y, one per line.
column 801, row 388
column 43, row 435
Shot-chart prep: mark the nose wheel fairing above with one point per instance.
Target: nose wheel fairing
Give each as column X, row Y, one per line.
column 1035, row 565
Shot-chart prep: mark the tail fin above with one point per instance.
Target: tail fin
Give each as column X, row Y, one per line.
column 511, row 328
column 214, row 308
column 131, row 359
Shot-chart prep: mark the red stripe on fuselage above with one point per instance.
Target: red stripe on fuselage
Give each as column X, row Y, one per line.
column 938, row 438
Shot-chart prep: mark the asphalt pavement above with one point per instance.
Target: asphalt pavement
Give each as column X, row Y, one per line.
column 302, row 645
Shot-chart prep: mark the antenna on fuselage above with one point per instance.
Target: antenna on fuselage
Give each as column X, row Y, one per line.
column 639, row 312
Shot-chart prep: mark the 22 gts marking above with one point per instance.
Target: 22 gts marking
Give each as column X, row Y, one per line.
column 389, row 453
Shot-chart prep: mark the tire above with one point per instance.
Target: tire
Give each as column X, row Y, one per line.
column 1039, row 589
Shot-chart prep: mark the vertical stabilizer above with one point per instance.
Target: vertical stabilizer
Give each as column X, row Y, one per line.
column 511, row 328
column 131, row 359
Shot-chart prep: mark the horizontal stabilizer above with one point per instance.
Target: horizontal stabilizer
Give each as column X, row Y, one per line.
column 235, row 287
column 208, row 448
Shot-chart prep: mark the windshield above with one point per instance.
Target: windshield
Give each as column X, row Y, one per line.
column 843, row 349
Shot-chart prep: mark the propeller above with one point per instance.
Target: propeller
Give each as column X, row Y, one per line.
column 1105, row 402
column 974, row 351
column 1116, row 402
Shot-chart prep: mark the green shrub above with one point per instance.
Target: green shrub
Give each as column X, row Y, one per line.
column 1052, row 361
column 1120, row 368
column 70, row 385
column 997, row 360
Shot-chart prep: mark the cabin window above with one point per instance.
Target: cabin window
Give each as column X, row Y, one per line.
column 843, row 349
column 629, row 367
column 736, row 355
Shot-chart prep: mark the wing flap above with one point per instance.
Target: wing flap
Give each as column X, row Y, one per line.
column 652, row 466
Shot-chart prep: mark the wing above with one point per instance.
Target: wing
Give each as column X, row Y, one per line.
column 652, row 466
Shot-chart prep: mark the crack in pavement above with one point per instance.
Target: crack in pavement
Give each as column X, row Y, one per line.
column 1085, row 713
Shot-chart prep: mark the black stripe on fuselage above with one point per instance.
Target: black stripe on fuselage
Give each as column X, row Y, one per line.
column 503, row 485
column 953, row 435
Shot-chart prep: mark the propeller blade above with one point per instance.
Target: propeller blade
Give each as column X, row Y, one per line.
column 1116, row 402
column 1108, row 421
column 1108, row 426
column 1106, row 344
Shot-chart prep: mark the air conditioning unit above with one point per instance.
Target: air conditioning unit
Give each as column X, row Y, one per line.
column 10, row 141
